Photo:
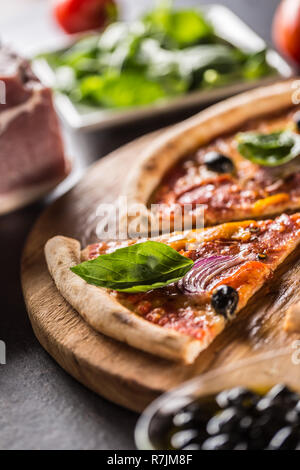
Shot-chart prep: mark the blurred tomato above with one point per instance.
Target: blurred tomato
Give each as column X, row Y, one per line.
column 75, row 16
column 286, row 29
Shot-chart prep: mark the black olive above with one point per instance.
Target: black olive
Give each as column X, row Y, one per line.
column 220, row 442
column 246, row 423
column 284, row 439
column 182, row 419
column 297, row 120
column 219, row 163
column 201, row 412
column 225, row 421
column 237, row 396
column 241, row 446
column 238, row 419
column 261, row 256
column 281, row 393
column 224, row 300
column 193, row 446
column 292, row 417
column 257, row 443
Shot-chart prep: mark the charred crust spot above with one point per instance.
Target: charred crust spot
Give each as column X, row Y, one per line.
column 171, row 145
column 122, row 318
column 151, row 166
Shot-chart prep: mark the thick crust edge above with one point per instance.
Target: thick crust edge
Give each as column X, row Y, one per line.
column 103, row 313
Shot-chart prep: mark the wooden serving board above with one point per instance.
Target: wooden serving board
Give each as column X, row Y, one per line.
column 120, row 373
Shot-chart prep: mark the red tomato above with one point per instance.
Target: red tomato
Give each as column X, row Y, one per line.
column 286, row 29
column 75, row 16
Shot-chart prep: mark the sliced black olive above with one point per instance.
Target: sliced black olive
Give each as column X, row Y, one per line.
column 261, row 256
column 224, row 300
column 297, row 120
column 218, row 162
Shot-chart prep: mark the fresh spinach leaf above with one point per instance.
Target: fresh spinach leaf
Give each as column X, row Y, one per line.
column 180, row 28
column 256, row 66
column 120, row 91
column 271, row 149
column 137, row 268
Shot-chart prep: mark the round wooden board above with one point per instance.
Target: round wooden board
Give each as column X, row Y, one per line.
column 116, row 371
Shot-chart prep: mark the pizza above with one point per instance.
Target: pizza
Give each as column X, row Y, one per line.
column 238, row 159
column 173, row 294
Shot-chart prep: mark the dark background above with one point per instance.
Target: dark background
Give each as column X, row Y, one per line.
column 41, row 407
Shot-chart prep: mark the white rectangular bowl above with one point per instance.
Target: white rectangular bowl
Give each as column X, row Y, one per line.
column 227, row 25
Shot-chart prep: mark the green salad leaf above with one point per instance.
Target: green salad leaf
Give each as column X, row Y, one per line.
column 272, row 149
column 256, row 66
column 114, row 91
column 137, row 268
column 179, row 28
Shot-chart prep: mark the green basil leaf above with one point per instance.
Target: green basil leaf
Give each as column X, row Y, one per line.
column 121, row 90
column 136, row 268
column 272, row 149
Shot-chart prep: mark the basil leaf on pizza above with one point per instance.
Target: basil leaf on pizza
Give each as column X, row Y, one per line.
column 136, row 268
column 272, row 149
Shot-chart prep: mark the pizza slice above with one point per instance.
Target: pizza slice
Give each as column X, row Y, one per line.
column 172, row 295
column 239, row 159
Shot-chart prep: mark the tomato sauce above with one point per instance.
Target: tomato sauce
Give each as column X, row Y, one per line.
column 247, row 192
column 261, row 245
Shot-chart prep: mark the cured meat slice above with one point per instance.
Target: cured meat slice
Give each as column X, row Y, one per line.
column 32, row 159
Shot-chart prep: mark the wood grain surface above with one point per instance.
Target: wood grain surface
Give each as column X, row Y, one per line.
column 116, row 371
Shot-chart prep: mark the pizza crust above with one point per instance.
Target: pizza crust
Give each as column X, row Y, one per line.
column 292, row 319
column 101, row 311
column 197, row 131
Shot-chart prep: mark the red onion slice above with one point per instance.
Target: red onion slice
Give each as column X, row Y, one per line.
column 204, row 270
